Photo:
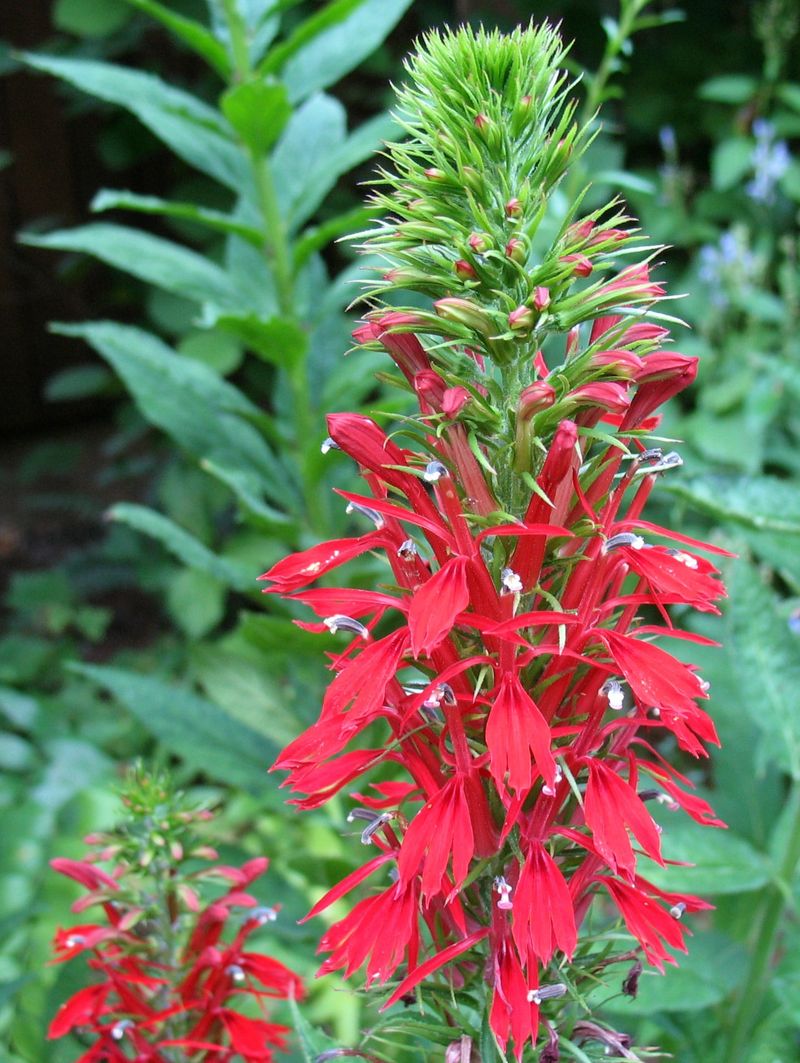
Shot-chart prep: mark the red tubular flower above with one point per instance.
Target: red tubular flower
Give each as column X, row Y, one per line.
column 514, row 698
column 152, row 994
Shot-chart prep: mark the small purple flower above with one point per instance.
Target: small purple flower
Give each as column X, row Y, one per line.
column 769, row 161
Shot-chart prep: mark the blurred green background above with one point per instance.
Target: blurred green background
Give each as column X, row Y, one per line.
column 161, row 446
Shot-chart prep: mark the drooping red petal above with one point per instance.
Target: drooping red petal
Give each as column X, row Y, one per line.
column 515, row 732
column 436, row 604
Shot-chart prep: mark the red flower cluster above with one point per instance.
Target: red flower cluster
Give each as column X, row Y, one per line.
column 519, row 693
column 171, row 983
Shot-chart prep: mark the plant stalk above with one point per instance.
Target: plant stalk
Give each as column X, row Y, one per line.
column 768, row 922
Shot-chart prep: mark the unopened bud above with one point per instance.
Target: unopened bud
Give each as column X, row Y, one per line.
column 513, row 207
column 580, row 231
column 464, row 269
column 465, row 312
column 433, row 174
column 533, row 398
column 479, row 242
column 481, row 122
column 541, row 298
column 516, row 250
column 521, row 319
column 581, row 265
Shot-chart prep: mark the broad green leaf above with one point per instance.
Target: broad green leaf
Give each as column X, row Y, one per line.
column 789, row 92
column 724, row 863
column 16, row 754
column 191, row 33
column 318, row 132
column 729, row 88
column 79, row 382
column 258, row 111
column 188, row 127
column 217, row 350
column 246, row 489
column 196, row 602
column 198, row 409
column 280, row 341
column 191, row 727
column 150, row 258
column 90, row 18
column 182, row 545
column 247, row 692
column 765, row 656
column 73, row 765
column 332, row 42
column 714, row 966
column 730, row 161
column 764, row 503
column 111, row 199
column 20, row 708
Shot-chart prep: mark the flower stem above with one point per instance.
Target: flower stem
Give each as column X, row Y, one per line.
column 767, row 922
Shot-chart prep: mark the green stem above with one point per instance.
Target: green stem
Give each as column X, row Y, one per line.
column 755, row 985
column 277, row 251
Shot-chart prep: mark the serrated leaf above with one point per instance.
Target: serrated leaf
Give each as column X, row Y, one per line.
column 113, row 199
column 191, row 33
column 193, row 728
column 765, row 657
column 182, row 545
column 159, row 262
column 764, row 503
column 203, row 413
column 331, row 43
column 258, row 111
column 188, row 127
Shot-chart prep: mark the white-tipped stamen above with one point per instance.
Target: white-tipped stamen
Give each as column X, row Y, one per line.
column 677, row 910
column 684, row 558
column 613, row 691
column 235, row 972
column 510, row 582
column 329, row 444
column 370, row 514
column 673, row 460
column 407, row 549
column 549, row 791
column 119, row 1028
column 340, row 622
column 635, row 542
column 504, row 889
column 261, row 915
column 547, row 992
column 434, row 471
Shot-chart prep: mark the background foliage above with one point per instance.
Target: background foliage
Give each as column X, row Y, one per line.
column 221, row 348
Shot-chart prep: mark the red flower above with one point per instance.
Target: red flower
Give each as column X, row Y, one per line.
column 612, row 805
column 436, row 604
column 544, row 918
column 516, row 731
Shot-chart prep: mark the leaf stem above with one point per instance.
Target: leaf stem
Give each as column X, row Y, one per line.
column 767, row 922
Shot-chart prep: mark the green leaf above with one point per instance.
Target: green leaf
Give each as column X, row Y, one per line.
column 765, row 656
column 191, row 33
column 729, row 88
column 190, row 128
column 111, row 199
column 280, row 341
column 764, row 503
column 246, row 489
column 730, row 162
column 313, row 1043
column 247, row 692
column 318, row 131
column 191, row 727
column 90, row 18
column 217, row 350
column 332, row 42
column 79, row 382
column 789, row 93
column 185, row 547
column 318, row 236
column 16, row 754
column 258, row 111
column 150, row 258
column 712, row 969
column 21, row 709
column 196, row 602
column 203, row 413
column 724, row 862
